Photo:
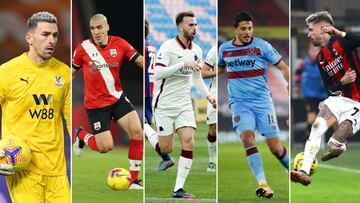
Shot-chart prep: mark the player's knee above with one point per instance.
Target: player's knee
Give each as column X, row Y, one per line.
column 248, row 138
column 212, row 130
column 137, row 134
column 188, row 143
column 276, row 151
column 167, row 149
column 318, row 128
column 106, row 147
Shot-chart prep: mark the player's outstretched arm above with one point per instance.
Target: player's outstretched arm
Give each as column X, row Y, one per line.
column 5, row 169
column 200, row 85
column 206, row 71
column 354, row 40
column 284, row 70
column 139, row 61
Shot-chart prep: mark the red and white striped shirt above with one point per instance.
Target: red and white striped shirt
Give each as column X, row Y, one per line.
column 101, row 67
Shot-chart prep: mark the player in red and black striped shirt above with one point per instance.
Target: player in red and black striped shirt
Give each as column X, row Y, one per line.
column 340, row 70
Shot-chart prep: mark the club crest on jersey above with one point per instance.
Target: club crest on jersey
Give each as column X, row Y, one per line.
column 196, row 57
column 113, row 52
column 97, row 125
column 58, row 81
column 252, row 51
column 335, row 52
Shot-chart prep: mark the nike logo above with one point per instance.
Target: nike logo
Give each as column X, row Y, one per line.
column 27, row 80
column 322, row 62
column 180, row 57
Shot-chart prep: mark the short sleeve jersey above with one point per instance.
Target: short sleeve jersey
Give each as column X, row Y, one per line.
column 101, row 67
column 246, row 68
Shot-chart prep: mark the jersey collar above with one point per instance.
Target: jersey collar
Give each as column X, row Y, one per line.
column 182, row 44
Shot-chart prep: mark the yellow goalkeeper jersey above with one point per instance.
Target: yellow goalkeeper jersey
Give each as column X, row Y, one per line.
column 33, row 98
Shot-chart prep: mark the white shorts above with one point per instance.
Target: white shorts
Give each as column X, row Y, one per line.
column 168, row 120
column 210, row 114
column 343, row 109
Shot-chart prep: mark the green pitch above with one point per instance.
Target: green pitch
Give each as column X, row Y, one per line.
column 236, row 182
column 335, row 181
column 159, row 185
column 90, row 172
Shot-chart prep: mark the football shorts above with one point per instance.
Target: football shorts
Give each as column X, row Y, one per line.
column 343, row 109
column 167, row 120
column 26, row 186
column 100, row 118
column 255, row 117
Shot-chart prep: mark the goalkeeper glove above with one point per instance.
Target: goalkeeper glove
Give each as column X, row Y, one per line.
column 5, row 169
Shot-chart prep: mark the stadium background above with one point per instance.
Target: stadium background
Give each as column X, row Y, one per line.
column 13, row 18
column 337, row 179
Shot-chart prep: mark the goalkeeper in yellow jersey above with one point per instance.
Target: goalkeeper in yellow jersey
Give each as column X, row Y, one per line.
column 34, row 97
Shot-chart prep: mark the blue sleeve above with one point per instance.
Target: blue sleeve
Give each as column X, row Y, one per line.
column 271, row 54
column 221, row 61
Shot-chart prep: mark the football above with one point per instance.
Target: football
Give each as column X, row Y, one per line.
column 119, row 179
column 17, row 152
column 298, row 161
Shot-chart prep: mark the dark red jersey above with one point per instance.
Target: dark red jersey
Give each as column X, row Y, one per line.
column 335, row 59
column 101, row 67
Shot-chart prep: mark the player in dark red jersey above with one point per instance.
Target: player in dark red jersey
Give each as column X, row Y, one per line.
column 100, row 58
column 150, row 55
column 340, row 70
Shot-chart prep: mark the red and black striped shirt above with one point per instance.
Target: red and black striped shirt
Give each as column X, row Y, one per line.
column 335, row 59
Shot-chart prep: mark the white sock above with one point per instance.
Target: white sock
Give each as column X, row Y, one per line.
column 87, row 137
column 184, row 166
column 212, row 151
column 135, row 165
column 151, row 135
column 313, row 143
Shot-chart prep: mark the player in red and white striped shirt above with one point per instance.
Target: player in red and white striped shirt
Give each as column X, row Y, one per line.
column 101, row 58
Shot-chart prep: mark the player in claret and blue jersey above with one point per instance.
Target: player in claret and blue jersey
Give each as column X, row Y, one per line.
column 245, row 59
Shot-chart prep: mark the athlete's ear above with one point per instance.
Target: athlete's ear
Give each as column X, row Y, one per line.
column 235, row 31
column 107, row 27
column 29, row 38
column 180, row 26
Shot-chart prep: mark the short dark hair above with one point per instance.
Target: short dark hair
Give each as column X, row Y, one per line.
column 242, row 16
column 321, row 16
column 147, row 29
column 180, row 16
column 43, row 16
